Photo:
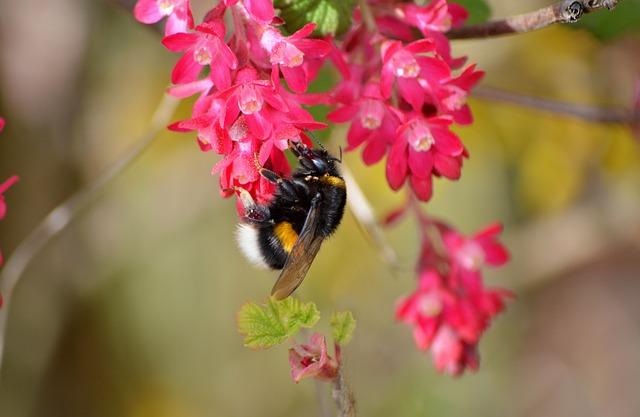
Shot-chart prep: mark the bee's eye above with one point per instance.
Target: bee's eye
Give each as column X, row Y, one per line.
column 320, row 165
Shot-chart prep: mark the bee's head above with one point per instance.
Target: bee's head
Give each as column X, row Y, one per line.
column 318, row 161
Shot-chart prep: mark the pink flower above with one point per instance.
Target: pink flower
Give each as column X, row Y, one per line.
column 451, row 96
column 3, row 205
column 477, row 251
column 371, row 122
column 260, row 10
column 312, row 360
column 423, row 146
column 2, row 122
column 290, row 55
column 201, row 48
column 448, row 317
column 412, row 69
column 252, row 97
column 451, row 354
column 178, row 12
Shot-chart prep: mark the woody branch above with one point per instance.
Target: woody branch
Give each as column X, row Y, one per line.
column 567, row 11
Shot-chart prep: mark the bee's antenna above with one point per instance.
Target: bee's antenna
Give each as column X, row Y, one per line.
column 315, row 139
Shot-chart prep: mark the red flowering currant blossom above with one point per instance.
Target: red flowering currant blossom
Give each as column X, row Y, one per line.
column 372, row 122
column 202, row 48
column 450, row 97
column 451, row 308
column 178, row 12
column 290, row 55
column 312, row 360
column 412, row 69
column 477, row 251
column 423, row 147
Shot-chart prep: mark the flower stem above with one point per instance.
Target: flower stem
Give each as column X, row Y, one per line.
column 60, row 217
column 343, row 397
column 566, row 11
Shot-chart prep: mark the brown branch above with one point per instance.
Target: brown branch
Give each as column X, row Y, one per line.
column 567, row 11
column 579, row 111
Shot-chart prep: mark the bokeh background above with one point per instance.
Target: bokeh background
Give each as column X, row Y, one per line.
column 131, row 310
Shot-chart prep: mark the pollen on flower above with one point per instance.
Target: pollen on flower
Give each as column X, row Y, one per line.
column 250, row 100
column 430, row 305
column 166, row 7
column 456, row 99
column 371, row 113
column 405, row 65
column 286, row 54
column 420, row 138
column 471, row 256
column 202, row 56
column 238, row 130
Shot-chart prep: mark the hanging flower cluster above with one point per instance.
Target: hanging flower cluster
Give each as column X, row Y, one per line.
column 451, row 307
column 401, row 95
column 3, row 205
column 401, row 91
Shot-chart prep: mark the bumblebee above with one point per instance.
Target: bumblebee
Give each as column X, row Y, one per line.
column 306, row 209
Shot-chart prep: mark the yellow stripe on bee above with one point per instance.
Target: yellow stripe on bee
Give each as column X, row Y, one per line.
column 331, row 180
column 286, row 235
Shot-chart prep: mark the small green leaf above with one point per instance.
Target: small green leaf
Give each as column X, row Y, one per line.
column 479, row 10
column 332, row 17
column 343, row 325
column 274, row 322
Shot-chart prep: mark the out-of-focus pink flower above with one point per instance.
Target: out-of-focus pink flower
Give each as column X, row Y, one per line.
column 2, row 122
column 261, row 11
column 451, row 96
column 312, row 360
column 479, row 250
column 451, row 308
column 290, row 55
column 3, row 205
column 202, row 48
column 3, row 189
column 178, row 12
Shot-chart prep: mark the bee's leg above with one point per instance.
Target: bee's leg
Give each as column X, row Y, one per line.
column 253, row 212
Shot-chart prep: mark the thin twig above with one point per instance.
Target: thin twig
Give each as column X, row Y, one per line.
column 343, row 397
column 567, row 11
column 580, row 111
column 63, row 214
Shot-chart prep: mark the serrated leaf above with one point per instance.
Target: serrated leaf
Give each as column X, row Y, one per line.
column 272, row 323
column 343, row 324
column 479, row 10
column 332, row 17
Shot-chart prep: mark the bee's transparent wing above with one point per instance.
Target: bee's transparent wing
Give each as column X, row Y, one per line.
column 302, row 254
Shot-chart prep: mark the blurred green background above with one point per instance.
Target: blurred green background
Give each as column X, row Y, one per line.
column 131, row 311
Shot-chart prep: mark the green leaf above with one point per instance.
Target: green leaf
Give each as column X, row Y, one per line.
column 274, row 322
column 479, row 10
column 343, row 325
column 606, row 25
column 332, row 17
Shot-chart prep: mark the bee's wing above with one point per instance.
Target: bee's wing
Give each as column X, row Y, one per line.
column 301, row 256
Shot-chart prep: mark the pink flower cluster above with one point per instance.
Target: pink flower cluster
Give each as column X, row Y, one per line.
column 451, row 307
column 243, row 112
column 401, row 95
column 3, row 205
